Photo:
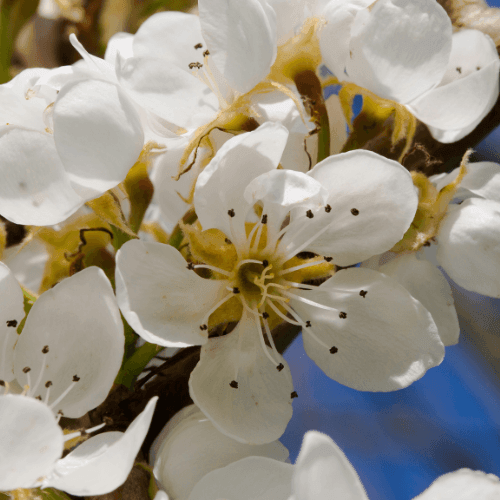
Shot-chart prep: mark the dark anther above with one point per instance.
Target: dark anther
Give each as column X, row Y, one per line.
column 203, row 327
column 308, row 324
column 333, row 350
column 264, row 219
column 354, row 211
column 190, row 266
column 76, row 378
column 459, row 70
column 363, row 293
column 294, row 395
column 427, row 244
column 228, row 241
column 310, row 214
column 48, row 384
column 206, row 53
column 342, row 315
column 12, row 322
column 478, row 67
column 198, row 46
column 233, row 384
column 236, row 290
column 39, row 398
column 231, row 213
column 45, row 349
column 26, row 369
column 328, row 259
column 265, row 262
column 2, row 383
column 195, row 65
column 265, row 315
column 280, row 367
column 328, row 209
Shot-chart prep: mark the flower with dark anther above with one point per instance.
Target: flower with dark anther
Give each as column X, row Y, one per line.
column 457, row 227
column 449, row 81
column 323, row 472
column 383, row 341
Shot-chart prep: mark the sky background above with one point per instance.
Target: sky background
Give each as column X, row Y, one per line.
column 400, row 442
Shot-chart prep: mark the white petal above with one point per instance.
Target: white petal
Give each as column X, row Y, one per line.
column 80, row 322
column 221, row 185
column 289, row 17
column 30, row 440
column 162, row 300
column 169, row 91
column 483, row 180
column 428, row 285
column 119, row 43
column 463, row 484
column 387, row 341
column 11, row 314
column 191, row 447
column 399, row 49
column 323, row 471
column 258, row 410
column 469, row 246
column 252, row 478
column 465, row 94
column 97, row 133
column 102, row 463
column 382, row 193
column 170, row 36
column 335, row 36
column 241, row 38
column 35, row 188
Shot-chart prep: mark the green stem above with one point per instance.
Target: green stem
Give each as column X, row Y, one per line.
column 119, row 237
column 177, row 235
column 134, row 365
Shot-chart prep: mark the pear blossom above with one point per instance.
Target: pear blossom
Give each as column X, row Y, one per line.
column 459, row 231
column 32, row 444
column 66, row 137
column 189, row 447
column 448, row 81
column 359, row 326
column 323, row 472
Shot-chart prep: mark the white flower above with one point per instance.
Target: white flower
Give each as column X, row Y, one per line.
column 66, row 137
column 32, row 444
column 323, row 472
column 190, row 446
column 360, row 327
column 406, row 52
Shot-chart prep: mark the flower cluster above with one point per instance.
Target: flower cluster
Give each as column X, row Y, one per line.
column 195, row 187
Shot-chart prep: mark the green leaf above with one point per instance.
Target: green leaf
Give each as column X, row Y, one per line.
column 53, row 494
column 13, row 16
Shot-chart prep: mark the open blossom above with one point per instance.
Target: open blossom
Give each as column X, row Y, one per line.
column 457, row 227
column 448, row 81
column 80, row 132
column 265, row 232
column 323, row 472
column 66, row 358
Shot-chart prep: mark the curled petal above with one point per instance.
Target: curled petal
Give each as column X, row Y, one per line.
column 469, row 246
column 30, row 440
column 373, row 202
column 191, row 447
column 252, row 478
column 259, row 408
column 102, row 463
column 163, row 301
column 322, row 467
column 241, row 38
column 383, row 341
column 399, row 49
column 221, row 185
column 98, row 135
column 73, row 329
